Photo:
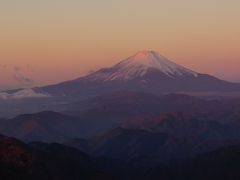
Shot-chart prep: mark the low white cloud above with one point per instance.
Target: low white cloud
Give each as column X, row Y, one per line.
column 22, row 94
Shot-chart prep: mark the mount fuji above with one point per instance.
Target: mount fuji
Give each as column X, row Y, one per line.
column 141, row 64
column 145, row 71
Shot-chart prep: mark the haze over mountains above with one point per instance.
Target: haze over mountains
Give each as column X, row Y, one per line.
column 134, row 116
column 94, row 116
column 145, row 71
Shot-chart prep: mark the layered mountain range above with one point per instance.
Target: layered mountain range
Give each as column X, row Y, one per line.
column 145, row 71
column 132, row 120
column 173, row 113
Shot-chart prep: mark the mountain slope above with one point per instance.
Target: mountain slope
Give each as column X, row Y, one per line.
column 144, row 145
column 130, row 144
column 41, row 161
column 139, row 65
column 185, row 125
column 45, row 126
column 107, row 111
column 97, row 115
column 220, row 164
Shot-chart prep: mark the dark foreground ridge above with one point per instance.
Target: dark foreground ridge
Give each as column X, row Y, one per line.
column 42, row 161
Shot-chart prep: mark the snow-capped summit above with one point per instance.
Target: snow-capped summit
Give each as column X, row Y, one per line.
column 145, row 71
column 140, row 64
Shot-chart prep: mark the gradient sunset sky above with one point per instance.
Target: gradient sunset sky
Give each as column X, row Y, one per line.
column 48, row 41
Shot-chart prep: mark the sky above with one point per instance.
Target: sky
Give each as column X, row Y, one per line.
column 49, row 41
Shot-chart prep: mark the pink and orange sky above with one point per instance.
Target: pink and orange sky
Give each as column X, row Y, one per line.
column 49, row 41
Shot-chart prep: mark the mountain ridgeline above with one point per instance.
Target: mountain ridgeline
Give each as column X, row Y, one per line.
column 145, row 71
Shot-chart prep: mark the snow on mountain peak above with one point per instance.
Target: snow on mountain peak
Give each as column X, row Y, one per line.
column 150, row 59
column 140, row 63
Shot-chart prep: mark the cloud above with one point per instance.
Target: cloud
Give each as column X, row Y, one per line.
column 19, row 76
column 4, row 95
column 23, row 94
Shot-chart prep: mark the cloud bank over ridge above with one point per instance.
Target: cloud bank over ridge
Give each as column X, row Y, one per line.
column 22, row 94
